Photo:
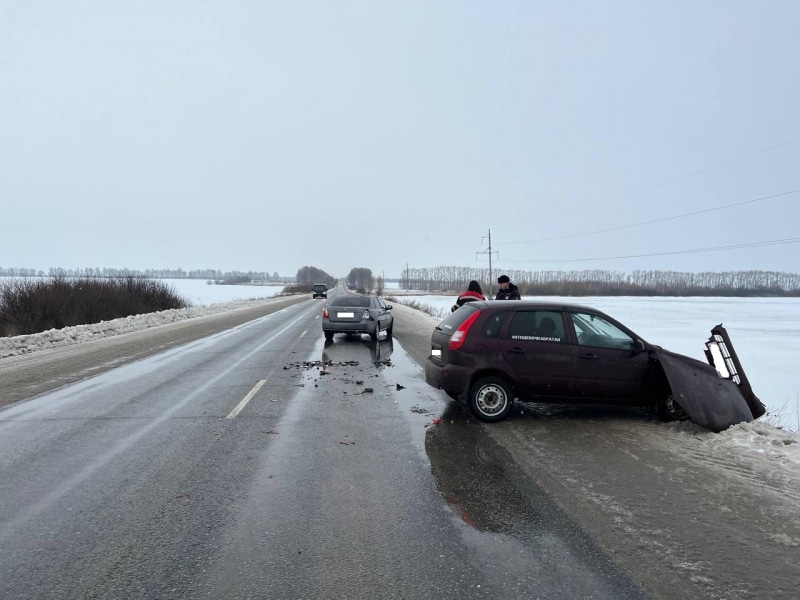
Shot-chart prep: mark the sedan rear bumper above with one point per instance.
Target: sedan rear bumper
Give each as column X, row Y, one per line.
column 344, row 327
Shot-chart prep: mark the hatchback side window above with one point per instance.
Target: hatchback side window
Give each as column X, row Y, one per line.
column 537, row 326
column 593, row 330
column 491, row 328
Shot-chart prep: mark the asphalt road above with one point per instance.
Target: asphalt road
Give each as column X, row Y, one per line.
column 257, row 461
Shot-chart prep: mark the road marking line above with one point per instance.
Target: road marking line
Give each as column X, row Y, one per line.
column 246, row 399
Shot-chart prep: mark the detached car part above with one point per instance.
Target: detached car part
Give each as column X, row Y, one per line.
column 716, row 395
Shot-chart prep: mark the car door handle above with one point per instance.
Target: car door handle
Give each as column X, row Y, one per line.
column 516, row 351
column 589, row 356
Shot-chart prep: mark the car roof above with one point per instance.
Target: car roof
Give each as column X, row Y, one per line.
column 531, row 304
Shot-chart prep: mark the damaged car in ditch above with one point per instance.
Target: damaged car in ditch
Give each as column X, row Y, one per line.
column 486, row 354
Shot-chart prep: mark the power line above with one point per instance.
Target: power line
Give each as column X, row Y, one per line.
column 690, row 214
column 693, row 251
column 679, row 177
column 470, row 252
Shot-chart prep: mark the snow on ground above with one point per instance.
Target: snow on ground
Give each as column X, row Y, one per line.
column 24, row 344
column 199, row 293
column 670, row 322
column 205, row 300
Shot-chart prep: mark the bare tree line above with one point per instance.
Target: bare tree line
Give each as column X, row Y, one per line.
column 312, row 275
column 112, row 273
column 609, row 283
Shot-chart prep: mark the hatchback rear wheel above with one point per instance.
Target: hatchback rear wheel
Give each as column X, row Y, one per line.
column 490, row 399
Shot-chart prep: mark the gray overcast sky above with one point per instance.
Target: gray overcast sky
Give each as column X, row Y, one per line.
column 269, row 136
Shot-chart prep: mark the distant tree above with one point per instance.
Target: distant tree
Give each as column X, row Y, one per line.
column 360, row 278
column 311, row 275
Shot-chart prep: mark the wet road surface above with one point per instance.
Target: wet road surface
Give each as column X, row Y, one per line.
column 262, row 462
column 365, row 494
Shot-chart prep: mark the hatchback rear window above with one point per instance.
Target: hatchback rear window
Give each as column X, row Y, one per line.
column 455, row 319
column 355, row 301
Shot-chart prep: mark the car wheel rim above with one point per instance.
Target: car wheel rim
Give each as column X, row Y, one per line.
column 674, row 410
column 491, row 400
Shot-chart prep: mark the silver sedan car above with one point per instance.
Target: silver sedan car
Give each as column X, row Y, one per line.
column 357, row 313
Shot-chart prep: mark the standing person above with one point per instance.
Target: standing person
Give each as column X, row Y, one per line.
column 473, row 293
column 507, row 291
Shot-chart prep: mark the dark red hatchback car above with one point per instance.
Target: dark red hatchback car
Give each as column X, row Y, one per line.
column 487, row 353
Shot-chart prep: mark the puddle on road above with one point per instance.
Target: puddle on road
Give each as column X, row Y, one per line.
column 501, row 513
column 387, row 373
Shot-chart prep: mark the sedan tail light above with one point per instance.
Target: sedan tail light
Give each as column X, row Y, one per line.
column 460, row 334
column 366, row 314
column 324, row 313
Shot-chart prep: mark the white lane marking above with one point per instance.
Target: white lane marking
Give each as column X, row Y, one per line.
column 246, row 399
column 122, row 444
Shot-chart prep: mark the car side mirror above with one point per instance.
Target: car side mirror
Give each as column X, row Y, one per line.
column 388, row 307
column 638, row 346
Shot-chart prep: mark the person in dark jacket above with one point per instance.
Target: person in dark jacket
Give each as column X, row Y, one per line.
column 473, row 293
column 507, row 291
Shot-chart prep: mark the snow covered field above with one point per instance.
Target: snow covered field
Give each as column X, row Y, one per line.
column 199, row 293
column 765, row 333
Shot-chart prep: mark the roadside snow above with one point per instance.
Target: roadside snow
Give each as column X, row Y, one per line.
column 760, row 441
column 54, row 338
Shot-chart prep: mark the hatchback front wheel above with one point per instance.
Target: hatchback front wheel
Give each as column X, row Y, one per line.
column 668, row 409
column 490, row 399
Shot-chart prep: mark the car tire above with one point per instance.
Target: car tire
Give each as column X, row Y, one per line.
column 669, row 410
column 490, row 399
column 328, row 335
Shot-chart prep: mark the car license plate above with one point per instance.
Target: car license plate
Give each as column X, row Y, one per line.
column 345, row 315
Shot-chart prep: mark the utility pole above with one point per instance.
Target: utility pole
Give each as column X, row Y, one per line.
column 489, row 251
